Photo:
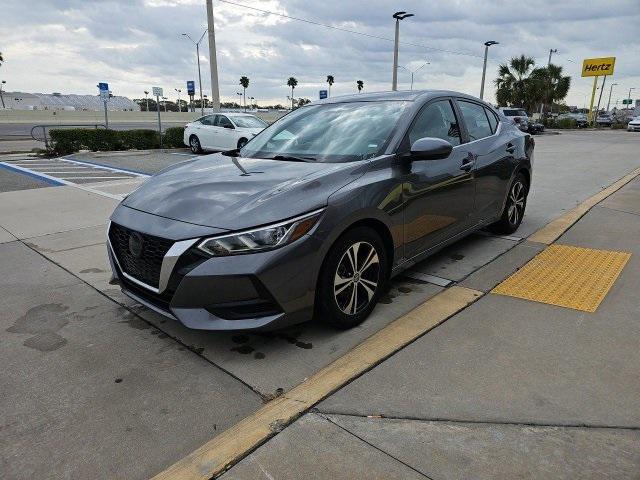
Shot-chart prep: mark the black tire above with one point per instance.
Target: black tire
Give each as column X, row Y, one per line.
column 242, row 142
column 194, row 144
column 357, row 296
column 514, row 207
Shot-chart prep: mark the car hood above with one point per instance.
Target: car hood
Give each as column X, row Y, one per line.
column 235, row 193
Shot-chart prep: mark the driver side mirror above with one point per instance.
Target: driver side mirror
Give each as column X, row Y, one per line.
column 430, row 148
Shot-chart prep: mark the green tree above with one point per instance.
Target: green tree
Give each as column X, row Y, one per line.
column 293, row 83
column 244, row 81
column 330, row 81
column 303, row 101
column 513, row 84
column 360, row 85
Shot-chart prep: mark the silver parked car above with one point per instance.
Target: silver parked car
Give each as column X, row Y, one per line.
column 517, row 116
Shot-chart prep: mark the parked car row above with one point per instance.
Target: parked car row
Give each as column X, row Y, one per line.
column 222, row 131
column 522, row 120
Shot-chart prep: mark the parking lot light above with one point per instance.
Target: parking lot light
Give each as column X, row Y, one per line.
column 398, row 16
column 197, row 44
column 610, row 91
column 484, row 67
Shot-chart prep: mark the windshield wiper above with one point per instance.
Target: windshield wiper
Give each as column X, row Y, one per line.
column 292, row 158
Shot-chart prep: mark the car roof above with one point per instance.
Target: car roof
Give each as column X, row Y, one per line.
column 402, row 95
column 236, row 114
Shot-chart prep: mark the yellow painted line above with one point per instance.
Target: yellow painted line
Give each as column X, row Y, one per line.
column 554, row 230
column 215, row 456
column 566, row 276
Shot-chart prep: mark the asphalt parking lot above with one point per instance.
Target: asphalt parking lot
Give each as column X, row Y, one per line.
column 98, row 386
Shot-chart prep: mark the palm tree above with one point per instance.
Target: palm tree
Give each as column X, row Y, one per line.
column 330, row 82
column 146, row 92
column 244, row 81
column 360, row 85
column 513, row 81
column 551, row 86
column 292, row 82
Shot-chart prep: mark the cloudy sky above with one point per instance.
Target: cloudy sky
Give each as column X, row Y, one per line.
column 69, row 45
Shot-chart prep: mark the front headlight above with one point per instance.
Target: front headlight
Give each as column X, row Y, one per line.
column 260, row 239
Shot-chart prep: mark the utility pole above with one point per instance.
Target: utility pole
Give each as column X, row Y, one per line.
column 610, row 91
column 146, row 93
column 551, row 52
column 484, row 66
column 213, row 63
column 398, row 16
column 604, row 79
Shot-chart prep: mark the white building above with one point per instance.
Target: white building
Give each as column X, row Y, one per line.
column 58, row 101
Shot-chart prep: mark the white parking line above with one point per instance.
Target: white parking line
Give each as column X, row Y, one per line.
column 87, row 178
column 104, row 167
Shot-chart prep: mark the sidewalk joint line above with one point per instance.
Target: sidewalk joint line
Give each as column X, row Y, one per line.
column 372, row 445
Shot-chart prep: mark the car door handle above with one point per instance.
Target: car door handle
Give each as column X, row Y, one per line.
column 511, row 147
column 467, row 165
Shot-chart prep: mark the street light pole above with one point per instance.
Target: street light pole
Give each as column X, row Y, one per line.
column 213, row 63
column 2, row 83
column 197, row 44
column 610, row 91
column 414, row 71
column 551, row 52
column 629, row 97
column 484, row 65
column 398, row 16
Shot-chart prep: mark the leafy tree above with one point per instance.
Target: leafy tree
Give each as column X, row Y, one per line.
column 330, row 81
column 293, row 83
column 360, row 85
column 244, row 81
column 303, row 101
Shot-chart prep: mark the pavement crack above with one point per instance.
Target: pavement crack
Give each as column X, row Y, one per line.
column 481, row 422
column 372, row 446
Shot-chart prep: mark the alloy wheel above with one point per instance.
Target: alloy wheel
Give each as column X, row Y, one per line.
column 357, row 277
column 517, row 197
column 195, row 144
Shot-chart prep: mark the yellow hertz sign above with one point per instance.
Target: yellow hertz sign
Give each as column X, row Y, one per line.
column 595, row 67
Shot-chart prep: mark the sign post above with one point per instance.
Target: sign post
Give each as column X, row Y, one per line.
column 157, row 92
column 323, row 94
column 104, row 95
column 191, row 91
column 595, row 67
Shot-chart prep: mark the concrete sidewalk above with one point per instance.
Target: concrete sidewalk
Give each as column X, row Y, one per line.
column 507, row 388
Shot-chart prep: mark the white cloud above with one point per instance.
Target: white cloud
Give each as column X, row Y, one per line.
column 70, row 45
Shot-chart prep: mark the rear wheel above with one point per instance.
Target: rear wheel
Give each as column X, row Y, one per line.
column 352, row 278
column 514, row 207
column 194, row 144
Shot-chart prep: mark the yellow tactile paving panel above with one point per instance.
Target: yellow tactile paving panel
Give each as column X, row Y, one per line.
column 567, row 276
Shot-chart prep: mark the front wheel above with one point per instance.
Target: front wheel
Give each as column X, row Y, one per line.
column 514, row 207
column 352, row 278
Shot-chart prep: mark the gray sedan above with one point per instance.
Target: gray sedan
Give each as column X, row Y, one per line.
column 316, row 213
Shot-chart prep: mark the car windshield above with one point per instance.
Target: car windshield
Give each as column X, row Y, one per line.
column 248, row 121
column 515, row 113
column 334, row 132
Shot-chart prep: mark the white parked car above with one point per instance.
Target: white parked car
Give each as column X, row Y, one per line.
column 222, row 131
column 634, row 124
column 517, row 116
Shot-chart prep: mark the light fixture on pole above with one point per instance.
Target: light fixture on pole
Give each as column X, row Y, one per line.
column 398, row 16
column 240, row 94
column 610, row 91
column 414, row 71
column 179, row 106
column 484, row 66
column 551, row 52
column 197, row 44
column 629, row 97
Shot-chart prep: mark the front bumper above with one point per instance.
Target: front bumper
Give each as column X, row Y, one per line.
column 633, row 128
column 264, row 290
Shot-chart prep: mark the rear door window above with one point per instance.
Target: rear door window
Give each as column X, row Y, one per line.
column 222, row 121
column 476, row 120
column 208, row 120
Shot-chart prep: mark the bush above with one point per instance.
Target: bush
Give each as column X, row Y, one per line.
column 64, row 142
column 173, row 137
column 618, row 126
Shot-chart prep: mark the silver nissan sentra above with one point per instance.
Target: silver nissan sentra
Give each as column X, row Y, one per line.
column 316, row 213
